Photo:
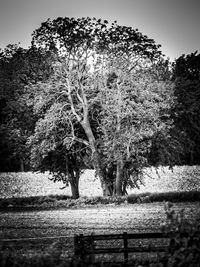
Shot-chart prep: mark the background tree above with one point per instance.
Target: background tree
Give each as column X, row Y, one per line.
column 14, row 115
column 18, row 66
column 187, row 109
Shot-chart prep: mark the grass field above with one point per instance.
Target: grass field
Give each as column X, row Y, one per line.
column 182, row 178
column 35, row 231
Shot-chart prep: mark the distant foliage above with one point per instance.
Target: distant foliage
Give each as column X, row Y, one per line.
column 186, row 113
column 18, row 67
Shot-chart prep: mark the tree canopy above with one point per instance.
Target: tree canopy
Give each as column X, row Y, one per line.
column 105, row 82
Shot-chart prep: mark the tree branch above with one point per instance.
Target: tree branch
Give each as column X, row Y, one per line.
column 75, row 138
column 79, row 119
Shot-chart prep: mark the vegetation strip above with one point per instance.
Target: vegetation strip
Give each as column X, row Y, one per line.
column 33, row 238
column 56, row 202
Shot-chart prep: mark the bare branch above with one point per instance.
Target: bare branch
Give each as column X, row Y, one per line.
column 79, row 98
column 75, row 138
column 72, row 103
column 63, row 108
column 80, row 140
column 128, row 149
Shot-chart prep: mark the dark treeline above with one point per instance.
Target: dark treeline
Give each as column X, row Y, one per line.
column 18, row 66
column 28, row 103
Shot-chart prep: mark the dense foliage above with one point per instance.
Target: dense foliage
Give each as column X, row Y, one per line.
column 187, row 109
column 120, row 83
column 18, row 67
column 184, row 239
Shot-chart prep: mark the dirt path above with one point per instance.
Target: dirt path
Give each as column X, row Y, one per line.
column 43, row 226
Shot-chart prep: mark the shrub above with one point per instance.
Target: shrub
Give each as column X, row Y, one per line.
column 49, row 200
column 60, row 201
column 10, row 258
column 184, row 249
column 165, row 196
column 139, row 198
column 133, row 198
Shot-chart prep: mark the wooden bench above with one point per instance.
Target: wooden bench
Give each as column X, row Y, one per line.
column 86, row 244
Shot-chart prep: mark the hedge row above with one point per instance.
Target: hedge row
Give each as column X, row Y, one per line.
column 191, row 196
column 61, row 201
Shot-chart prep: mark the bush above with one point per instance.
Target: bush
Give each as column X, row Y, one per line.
column 60, row 201
column 166, row 196
column 184, row 248
column 9, row 257
column 32, row 201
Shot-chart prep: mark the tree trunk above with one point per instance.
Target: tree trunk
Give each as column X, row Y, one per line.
column 107, row 191
column 96, row 159
column 100, row 173
column 124, row 184
column 73, row 177
column 85, row 123
column 21, row 165
column 118, row 185
column 74, row 189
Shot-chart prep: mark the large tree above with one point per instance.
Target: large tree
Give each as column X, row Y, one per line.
column 52, row 154
column 52, row 146
column 104, row 81
column 135, row 108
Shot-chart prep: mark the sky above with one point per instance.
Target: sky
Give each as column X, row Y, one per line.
column 175, row 24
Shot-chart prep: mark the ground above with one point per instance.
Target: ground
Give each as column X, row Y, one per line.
column 36, row 230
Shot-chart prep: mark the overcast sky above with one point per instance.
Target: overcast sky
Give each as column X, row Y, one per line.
column 175, row 24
